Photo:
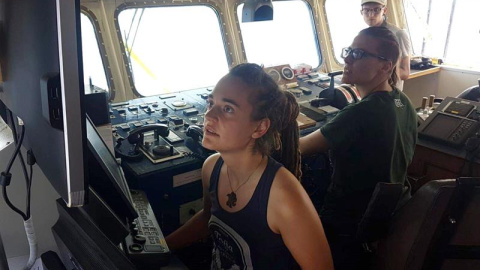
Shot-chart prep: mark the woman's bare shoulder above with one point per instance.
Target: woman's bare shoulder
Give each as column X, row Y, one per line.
column 208, row 165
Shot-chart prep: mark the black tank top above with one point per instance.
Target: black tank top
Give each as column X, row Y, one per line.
column 243, row 240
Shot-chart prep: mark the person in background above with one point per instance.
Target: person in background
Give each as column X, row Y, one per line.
column 370, row 141
column 255, row 208
column 375, row 14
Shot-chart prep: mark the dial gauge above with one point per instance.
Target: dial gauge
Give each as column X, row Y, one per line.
column 287, row 73
column 274, row 74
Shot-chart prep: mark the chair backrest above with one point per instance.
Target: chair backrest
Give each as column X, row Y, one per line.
column 374, row 223
column 418, row 229
column 471, row 93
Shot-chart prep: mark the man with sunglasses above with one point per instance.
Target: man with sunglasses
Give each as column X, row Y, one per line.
column 369, row 141
column 375, row 14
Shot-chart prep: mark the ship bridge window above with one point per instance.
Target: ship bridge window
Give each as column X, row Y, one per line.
column 344, row 21
column 170, row 49
column 93, row 68
column 445, row 29
column 290, row 38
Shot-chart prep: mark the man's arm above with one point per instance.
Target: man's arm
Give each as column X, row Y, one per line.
column 404, row 67
column 313, row 143
column 405, row 52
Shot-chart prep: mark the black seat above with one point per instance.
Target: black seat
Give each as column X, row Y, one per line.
column 471, row 93
column 439, row 228
column 375, row 221
column 353, row 250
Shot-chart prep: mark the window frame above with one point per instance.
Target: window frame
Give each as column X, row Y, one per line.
column 447, row 38
column 102, row 51
column 170, row 3
column 330, row 37
column 453, row 63
column 318, row 47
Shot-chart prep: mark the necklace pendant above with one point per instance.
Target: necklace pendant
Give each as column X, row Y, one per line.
column 232, row 199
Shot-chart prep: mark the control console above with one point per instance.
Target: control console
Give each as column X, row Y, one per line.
column 452, row 123
column 146, row 246
column 167, row 166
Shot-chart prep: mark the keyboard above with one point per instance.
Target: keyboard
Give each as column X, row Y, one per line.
column 146, row 246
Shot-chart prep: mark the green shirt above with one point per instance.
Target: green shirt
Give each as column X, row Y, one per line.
column 371, row 141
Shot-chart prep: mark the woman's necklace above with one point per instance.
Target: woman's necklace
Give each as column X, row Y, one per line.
column 232, row 196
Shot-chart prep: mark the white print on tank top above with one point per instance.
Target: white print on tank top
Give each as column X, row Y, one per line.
column 230, row 251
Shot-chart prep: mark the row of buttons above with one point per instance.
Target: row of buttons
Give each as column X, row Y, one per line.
column 464, row 126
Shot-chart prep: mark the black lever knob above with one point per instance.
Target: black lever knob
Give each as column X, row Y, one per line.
column 139, row 239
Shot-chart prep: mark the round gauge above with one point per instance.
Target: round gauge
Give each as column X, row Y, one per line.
column 274, row 74
column 179, row 103
column 287, row 73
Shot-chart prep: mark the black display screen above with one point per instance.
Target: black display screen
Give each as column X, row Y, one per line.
column 106, row 176
column 442, row 126
column 459, row 108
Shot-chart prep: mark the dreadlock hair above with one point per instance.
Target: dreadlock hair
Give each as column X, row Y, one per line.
column 281, row 141
column 387, row 47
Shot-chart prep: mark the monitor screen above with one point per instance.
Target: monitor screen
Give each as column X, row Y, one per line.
column 106, row 176
column 41, row 38
column 442, row 126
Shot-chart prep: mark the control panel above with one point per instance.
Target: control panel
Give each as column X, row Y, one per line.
column 166, row 165
column 454, row 121
column 145, row 245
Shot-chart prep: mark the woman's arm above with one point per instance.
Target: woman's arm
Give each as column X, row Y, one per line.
column 292, row 214
column 195, row 228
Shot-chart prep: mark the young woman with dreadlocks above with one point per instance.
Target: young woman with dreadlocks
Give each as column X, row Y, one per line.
column 255, row 209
